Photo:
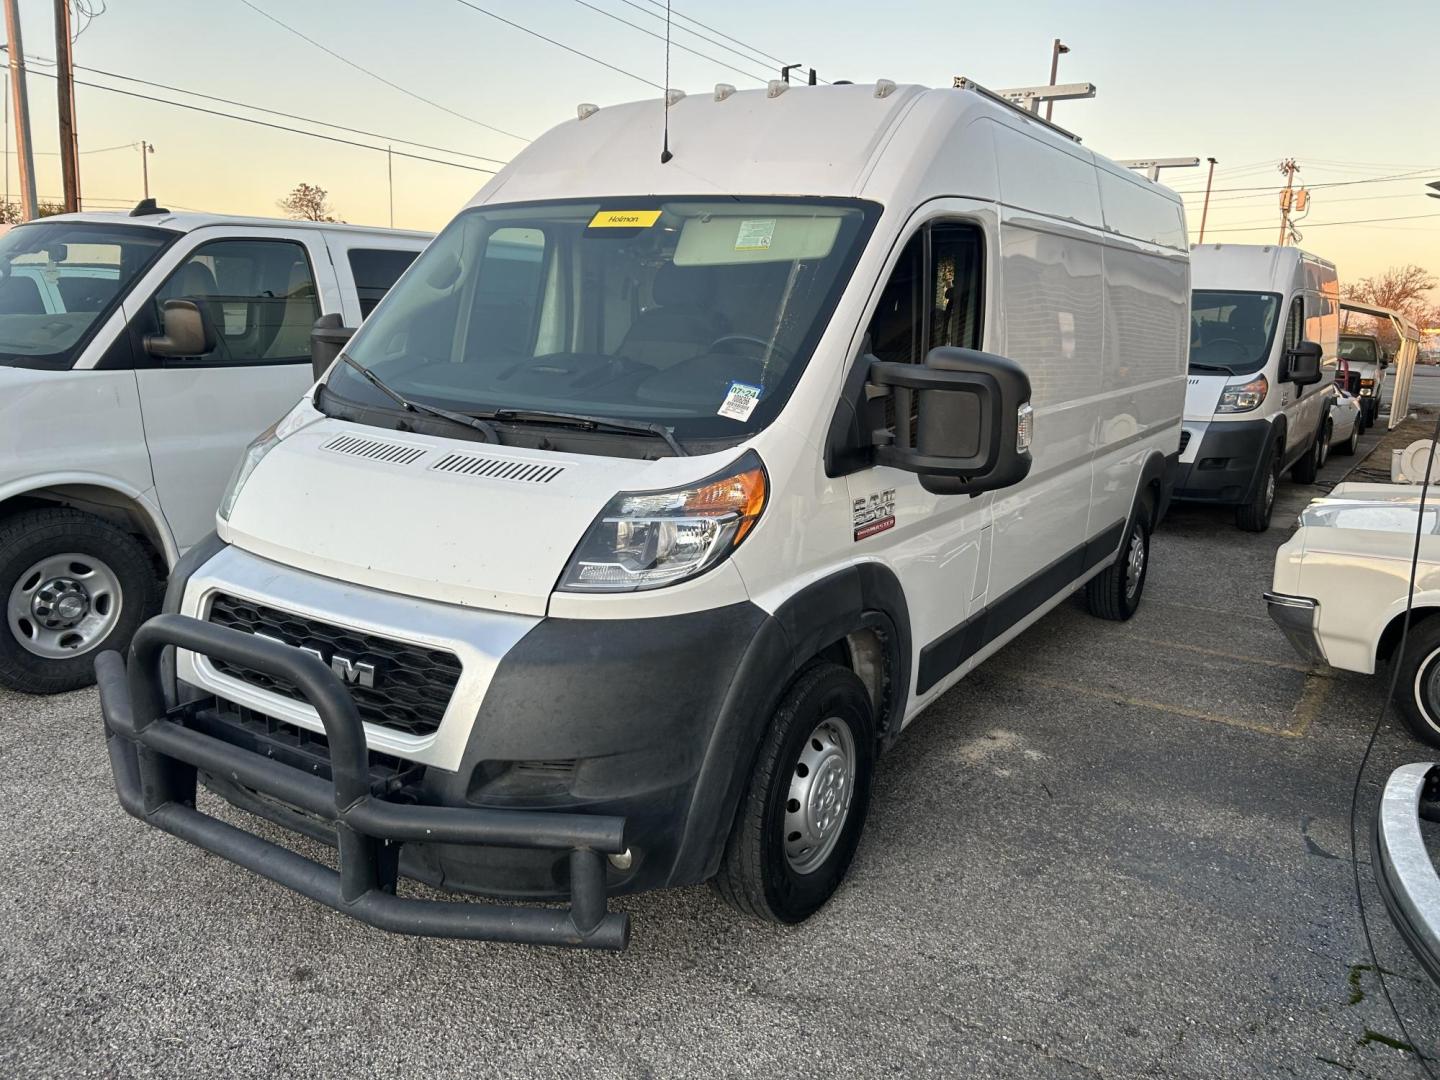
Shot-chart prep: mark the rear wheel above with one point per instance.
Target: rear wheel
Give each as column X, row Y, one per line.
column 1352, row 444
column 73, row 585
column 802, row 813
column 1254, row 516
column 1418, row 685
column 1115, row 592
column 1304, row 470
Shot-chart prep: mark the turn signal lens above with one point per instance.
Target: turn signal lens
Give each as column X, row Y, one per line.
column 647, row 539
column 1243, row 397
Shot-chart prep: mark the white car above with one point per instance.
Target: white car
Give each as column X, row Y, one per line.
column 1343, row 426
column 139, row 353
column 1339, row 589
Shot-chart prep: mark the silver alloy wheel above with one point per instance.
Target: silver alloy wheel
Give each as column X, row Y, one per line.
column 822, row 784
column 64, row 605
column 1134, row 563
column 1427, row 688
column 1269, row 490
column 1323, row 451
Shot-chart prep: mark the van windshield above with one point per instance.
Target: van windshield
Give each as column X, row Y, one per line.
column 1360, row 349
column 695, row 313
column 1231, row 331
column 59, row 280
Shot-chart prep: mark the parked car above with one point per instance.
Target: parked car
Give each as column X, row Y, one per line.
column 702, row 493
column 1405, row 870
column 1368, row 361
column 138, row 355
column 1263, row 330
column 1340, row 584
column 1345, row 424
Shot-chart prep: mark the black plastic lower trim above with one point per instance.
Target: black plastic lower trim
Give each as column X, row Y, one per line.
column 1226, row 466
column 955, row 646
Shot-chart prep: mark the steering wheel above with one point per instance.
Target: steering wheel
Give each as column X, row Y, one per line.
column 726, row 341
column 1232, row 344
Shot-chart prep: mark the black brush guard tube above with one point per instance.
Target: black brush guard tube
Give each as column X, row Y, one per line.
column 155, row 759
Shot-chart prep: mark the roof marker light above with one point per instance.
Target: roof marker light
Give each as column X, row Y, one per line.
column 723, row 90
column 674, row 97
column 776, row 88
column 586, row 110
column 884, row 88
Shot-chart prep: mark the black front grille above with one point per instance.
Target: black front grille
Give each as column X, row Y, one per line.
column 1184, row 439
column 413, row 684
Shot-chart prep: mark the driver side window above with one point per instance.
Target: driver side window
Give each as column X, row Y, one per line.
column 258, row 295
column 933, row 297
column 1295, row 324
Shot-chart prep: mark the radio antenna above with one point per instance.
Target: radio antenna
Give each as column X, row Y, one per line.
column 665, row 154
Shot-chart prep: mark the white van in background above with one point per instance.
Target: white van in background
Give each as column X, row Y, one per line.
column 659, row 496
column 1264, row 327
column 139, row 354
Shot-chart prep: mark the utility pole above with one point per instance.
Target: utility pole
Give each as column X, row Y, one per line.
column 1205, row 210
column 1055, row 51
column 29, row 208
column 65, row 98
column 1289, row 168
column 146, row 149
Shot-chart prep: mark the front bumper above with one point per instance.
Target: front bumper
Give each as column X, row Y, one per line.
column 1225, row 467
column 1405, row 873
column 156, row 753
column 1299, row 618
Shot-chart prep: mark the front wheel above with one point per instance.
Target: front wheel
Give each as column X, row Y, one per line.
column 73, row 585
column 1417, row 690
column 1115, row 592
column 1305, row 470
column 1352, row 444
column 1254, row 516
column 804, row 808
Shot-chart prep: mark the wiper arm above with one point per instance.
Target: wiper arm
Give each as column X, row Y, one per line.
column 405, row 403
column 1213, row 367
column 593, row 423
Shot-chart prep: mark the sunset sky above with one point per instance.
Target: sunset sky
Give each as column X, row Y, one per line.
column 1349, row 95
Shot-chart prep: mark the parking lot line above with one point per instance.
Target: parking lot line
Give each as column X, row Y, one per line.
column 1210, row 610
column 1186, row 646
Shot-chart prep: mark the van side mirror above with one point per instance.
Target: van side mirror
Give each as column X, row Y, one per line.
column 184, row 331
column 973, row 420
column 326, row 340
column 1302, row 363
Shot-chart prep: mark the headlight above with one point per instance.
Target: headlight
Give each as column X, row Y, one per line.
column 1242, row 397
column 255, row 453
column 647, row 539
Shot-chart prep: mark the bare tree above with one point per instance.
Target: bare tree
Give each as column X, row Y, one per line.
column 1405, row 289
column 308, row 202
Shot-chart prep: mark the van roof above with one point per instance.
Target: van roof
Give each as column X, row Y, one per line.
column 1254, row 267
column 188, row 220
column 892, row 144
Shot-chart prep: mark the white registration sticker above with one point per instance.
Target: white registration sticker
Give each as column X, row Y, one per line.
column 740, row 401
column 755, row 234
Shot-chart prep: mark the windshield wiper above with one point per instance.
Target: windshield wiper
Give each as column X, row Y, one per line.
column 405, row 403
column 592, row 423
column 1212, row 367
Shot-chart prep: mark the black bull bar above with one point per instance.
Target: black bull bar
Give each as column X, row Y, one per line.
column 155, row 758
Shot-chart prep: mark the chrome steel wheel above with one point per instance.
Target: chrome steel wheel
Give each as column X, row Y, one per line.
column 1269, row 492
column 1134, row 563
column 64, row 605
column 822, row 783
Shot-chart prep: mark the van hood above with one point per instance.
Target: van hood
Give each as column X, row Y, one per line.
column 1374, row 507
column 473, row 524
column 1202, row 393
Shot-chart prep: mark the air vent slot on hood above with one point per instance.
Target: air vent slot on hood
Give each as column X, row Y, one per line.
column 391, row 453
column 526, row 472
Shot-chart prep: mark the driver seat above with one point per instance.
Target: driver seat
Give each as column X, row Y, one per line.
column 682, row 323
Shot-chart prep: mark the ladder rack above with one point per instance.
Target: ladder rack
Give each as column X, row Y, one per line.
column 964, row 83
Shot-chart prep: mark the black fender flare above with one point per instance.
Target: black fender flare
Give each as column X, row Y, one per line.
column 1278, row 429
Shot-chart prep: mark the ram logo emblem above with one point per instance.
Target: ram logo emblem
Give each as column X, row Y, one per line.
column 351, row 672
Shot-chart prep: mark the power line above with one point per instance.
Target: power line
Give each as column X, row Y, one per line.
column 1325, row 184
column 1328, row 224
column 552, row 41
column 713, row 30
column 661, row 37
column 376, row 75
column 266, row 124
column 695, row 33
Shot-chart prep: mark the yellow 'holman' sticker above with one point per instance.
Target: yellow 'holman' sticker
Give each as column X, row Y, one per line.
column 624, row 219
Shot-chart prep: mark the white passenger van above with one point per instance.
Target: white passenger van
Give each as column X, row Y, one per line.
column 139, row 354
column 659, row 496
column 1264, row 330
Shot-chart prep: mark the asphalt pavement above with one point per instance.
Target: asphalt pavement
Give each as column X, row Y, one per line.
column 1117, row 850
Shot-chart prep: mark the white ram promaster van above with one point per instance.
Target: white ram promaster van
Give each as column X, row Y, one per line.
column 139, row 354
column 1264, row 327
column 659, row 496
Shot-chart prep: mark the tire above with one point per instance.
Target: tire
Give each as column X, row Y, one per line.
column 72, row 585
column 1352, row 444
column 1115, row 592
column 1417, row 689
column 766, row 871
column 1305, row 470
column 1254, row 516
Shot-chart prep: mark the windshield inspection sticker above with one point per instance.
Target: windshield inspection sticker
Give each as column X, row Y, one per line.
column 755, row 234
column 624, row 219
column 740, row 401
column 873, row 515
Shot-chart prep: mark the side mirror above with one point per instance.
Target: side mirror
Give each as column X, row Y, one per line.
column 326, row 340
column 973, row 420
column 1302, row 363
column 184, row 331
